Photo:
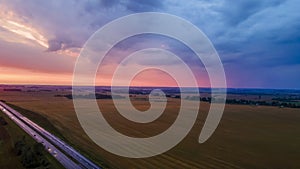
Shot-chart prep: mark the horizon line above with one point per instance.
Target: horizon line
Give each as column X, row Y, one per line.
column 63, row 85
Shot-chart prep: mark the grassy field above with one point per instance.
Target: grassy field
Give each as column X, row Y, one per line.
column 247, row 137
column 9, row 135
column 8, row 158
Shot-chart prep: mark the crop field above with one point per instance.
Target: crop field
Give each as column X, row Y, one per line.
column 247, row 137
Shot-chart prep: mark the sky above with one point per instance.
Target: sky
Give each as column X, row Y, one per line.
column 258, row 41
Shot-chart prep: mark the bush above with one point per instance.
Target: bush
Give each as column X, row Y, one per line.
column 32, row 156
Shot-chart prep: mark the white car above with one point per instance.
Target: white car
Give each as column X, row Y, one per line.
column 54, row 153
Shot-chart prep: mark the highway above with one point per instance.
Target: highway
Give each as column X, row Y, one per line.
column 55, row 146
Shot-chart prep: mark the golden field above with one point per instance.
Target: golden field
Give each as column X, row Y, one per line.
column 247, row 136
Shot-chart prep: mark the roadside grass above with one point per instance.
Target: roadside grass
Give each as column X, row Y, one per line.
column 39, row 119
column 8, row 158
column 10, row 134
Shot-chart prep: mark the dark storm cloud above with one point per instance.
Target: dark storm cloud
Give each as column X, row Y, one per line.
column 258, row 40
column 54, row 45
column 237, row 12
column 144, row 5
column 270, row 30
column 108, row 3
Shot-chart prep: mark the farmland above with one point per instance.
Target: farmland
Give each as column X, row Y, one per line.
column 248, row 136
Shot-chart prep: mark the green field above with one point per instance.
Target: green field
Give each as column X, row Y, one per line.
column 247, row 137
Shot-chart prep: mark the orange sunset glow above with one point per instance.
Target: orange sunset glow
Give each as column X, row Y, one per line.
column 39, row 46
column 41, row 66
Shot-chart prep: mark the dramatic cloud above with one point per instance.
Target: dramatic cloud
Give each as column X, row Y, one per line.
column 258, row 40
column 33, row 59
